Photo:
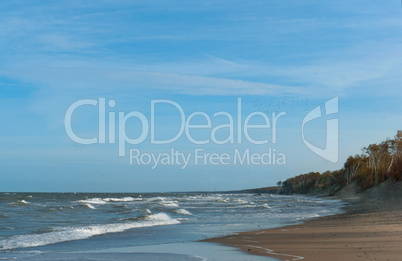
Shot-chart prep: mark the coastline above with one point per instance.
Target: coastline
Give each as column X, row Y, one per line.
column 370, row 229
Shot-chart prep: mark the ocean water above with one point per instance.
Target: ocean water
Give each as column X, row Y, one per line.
column 151, row 226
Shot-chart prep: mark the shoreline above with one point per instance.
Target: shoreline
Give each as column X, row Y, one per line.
column 370, row 229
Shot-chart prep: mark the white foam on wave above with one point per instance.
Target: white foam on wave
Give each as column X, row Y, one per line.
column 157, row 199
column 164, row 202
column 102, row 201
column 170, row 203
column 184, row 212
column 307, row 216
column 248, row 206
column 77, row 233
column 97, row 201
column 125, row 199
column 265, row 205
column 20, row 202
column 208, row 198
column 89, row 206
column 241, row 201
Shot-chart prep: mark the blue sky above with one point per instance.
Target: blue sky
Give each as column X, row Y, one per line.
column 277, row 56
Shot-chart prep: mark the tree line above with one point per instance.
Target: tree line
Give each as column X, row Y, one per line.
column 376, row 163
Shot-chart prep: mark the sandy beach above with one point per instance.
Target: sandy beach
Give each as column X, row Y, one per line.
column 370, row 229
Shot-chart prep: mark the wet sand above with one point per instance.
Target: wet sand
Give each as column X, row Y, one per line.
column 370, row 229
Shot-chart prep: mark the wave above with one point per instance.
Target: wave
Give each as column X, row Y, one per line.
column 88, row 206
column 184, row 212
column 241, row 201
column 164, row 202
column 169, row 203
column 156, row 199
column 265, row 205
column 102, row 201
column 19, row 203
column 54, row 209
column 307, row 216
column 97, row 201
column 125, row 199
column 57, row 208
column 78, row 233
column 149, row 216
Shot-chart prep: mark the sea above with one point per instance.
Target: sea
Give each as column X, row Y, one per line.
column 148, row 226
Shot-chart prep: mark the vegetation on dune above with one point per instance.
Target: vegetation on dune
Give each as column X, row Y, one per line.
column 376, row 163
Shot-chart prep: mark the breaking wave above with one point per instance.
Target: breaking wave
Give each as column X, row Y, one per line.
column 76, row 233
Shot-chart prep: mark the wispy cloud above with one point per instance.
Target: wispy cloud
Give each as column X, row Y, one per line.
column 243, row 51
column 92, row 81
